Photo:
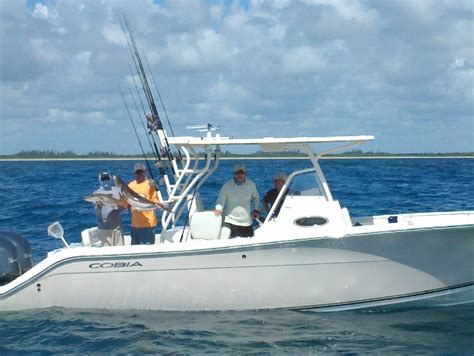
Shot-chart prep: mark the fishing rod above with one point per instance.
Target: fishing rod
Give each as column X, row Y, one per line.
column 136, row 133
column 154, row 148
column 141, row 121
column 156, row 151
column 136, row 89
column 126, row 28
column 160, row 166
column 161, row 101
column 159, row 94
column 154, row 120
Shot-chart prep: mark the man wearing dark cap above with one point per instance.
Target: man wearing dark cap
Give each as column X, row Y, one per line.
column 143, row 222
column 235, row 198
column 109, row 224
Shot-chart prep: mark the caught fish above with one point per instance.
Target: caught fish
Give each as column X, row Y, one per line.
column 135, row 200
column 106, row 199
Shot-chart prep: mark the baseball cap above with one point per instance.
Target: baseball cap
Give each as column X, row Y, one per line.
column 104, row 175
column 139, row 167
column 280, row 176
column 240, row 167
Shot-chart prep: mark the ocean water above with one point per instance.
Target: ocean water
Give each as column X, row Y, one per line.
column 35, row 194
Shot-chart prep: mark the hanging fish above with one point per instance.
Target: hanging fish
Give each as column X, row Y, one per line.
column 135, row 200
column 106, row 199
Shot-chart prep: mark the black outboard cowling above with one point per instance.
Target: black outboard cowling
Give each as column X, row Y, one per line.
column 23, row 249
column 9, row 265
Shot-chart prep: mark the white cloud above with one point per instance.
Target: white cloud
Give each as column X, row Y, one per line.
column 216, row 12
column 389, row 68
column 200, row 50
column 83, row 58
column 350, row 9
column 226, row 92
column 44, row 51
column 183, row 53
column 303, row 59
column 229, row 113
column 114, row 34
column 60, row 117
column 41, row 11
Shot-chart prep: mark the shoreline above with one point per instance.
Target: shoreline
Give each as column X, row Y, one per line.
column 231, row 158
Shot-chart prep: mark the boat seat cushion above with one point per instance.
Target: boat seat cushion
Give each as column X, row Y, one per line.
column 205, row 225
column 90, row 236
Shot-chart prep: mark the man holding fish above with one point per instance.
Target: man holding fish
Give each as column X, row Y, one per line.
column 139, row 196
column 108, row 204
column 143, row 220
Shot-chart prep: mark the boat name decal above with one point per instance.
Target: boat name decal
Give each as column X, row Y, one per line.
column 115, row 264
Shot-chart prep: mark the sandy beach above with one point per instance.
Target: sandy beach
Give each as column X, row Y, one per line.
column 232, row 158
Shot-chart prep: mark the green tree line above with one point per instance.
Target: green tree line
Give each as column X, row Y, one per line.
column 51, row 154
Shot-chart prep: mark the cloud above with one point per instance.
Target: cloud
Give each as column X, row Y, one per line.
column 226, row 92
column 348, row 9
column 42, row 11
column 114, row 34
column 59, row 116
column 196, row 51
column 259, row 68
column 44, row 51
column 303, row 60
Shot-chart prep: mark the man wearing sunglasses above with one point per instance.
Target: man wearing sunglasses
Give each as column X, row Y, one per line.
column 234, row 202
column 143, row 222
column 109, row 224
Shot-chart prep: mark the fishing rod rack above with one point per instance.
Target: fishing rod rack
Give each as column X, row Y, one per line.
column 178, row 182
column 184, row 193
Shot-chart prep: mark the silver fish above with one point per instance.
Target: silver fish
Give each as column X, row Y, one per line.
column 105, row 199
column 135, row 200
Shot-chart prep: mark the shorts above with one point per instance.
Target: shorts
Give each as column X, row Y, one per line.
column 142, row 235
column 112, row 237
column 241, row 231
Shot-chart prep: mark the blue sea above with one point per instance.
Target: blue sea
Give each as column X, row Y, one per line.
column 35, row 194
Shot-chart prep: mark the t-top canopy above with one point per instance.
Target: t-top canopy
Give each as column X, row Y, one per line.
column 269, row 144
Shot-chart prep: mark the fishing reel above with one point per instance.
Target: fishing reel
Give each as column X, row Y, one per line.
column 153, row 123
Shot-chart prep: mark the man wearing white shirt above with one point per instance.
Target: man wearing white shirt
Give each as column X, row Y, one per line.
column 109, row 224
column 234, row 202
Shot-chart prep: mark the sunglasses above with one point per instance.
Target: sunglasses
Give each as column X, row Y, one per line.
column 139, row 171
column 240, row 172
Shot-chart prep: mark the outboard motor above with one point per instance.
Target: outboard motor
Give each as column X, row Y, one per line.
column 9, row 266
column 21, row 255
column 23, row 249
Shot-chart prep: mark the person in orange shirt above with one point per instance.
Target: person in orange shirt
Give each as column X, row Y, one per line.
column 143, row 222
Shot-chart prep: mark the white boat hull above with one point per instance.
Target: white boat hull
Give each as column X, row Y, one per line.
column 355, row 271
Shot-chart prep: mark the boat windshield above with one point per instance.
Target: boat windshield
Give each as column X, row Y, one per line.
column 306, row 184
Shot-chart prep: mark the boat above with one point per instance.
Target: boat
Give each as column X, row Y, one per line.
column 311, row 256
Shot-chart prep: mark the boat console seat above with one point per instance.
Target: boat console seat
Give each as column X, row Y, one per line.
column 206, row 225
column 90, row 236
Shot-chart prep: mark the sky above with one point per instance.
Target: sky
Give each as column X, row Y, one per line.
column 402, row 70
